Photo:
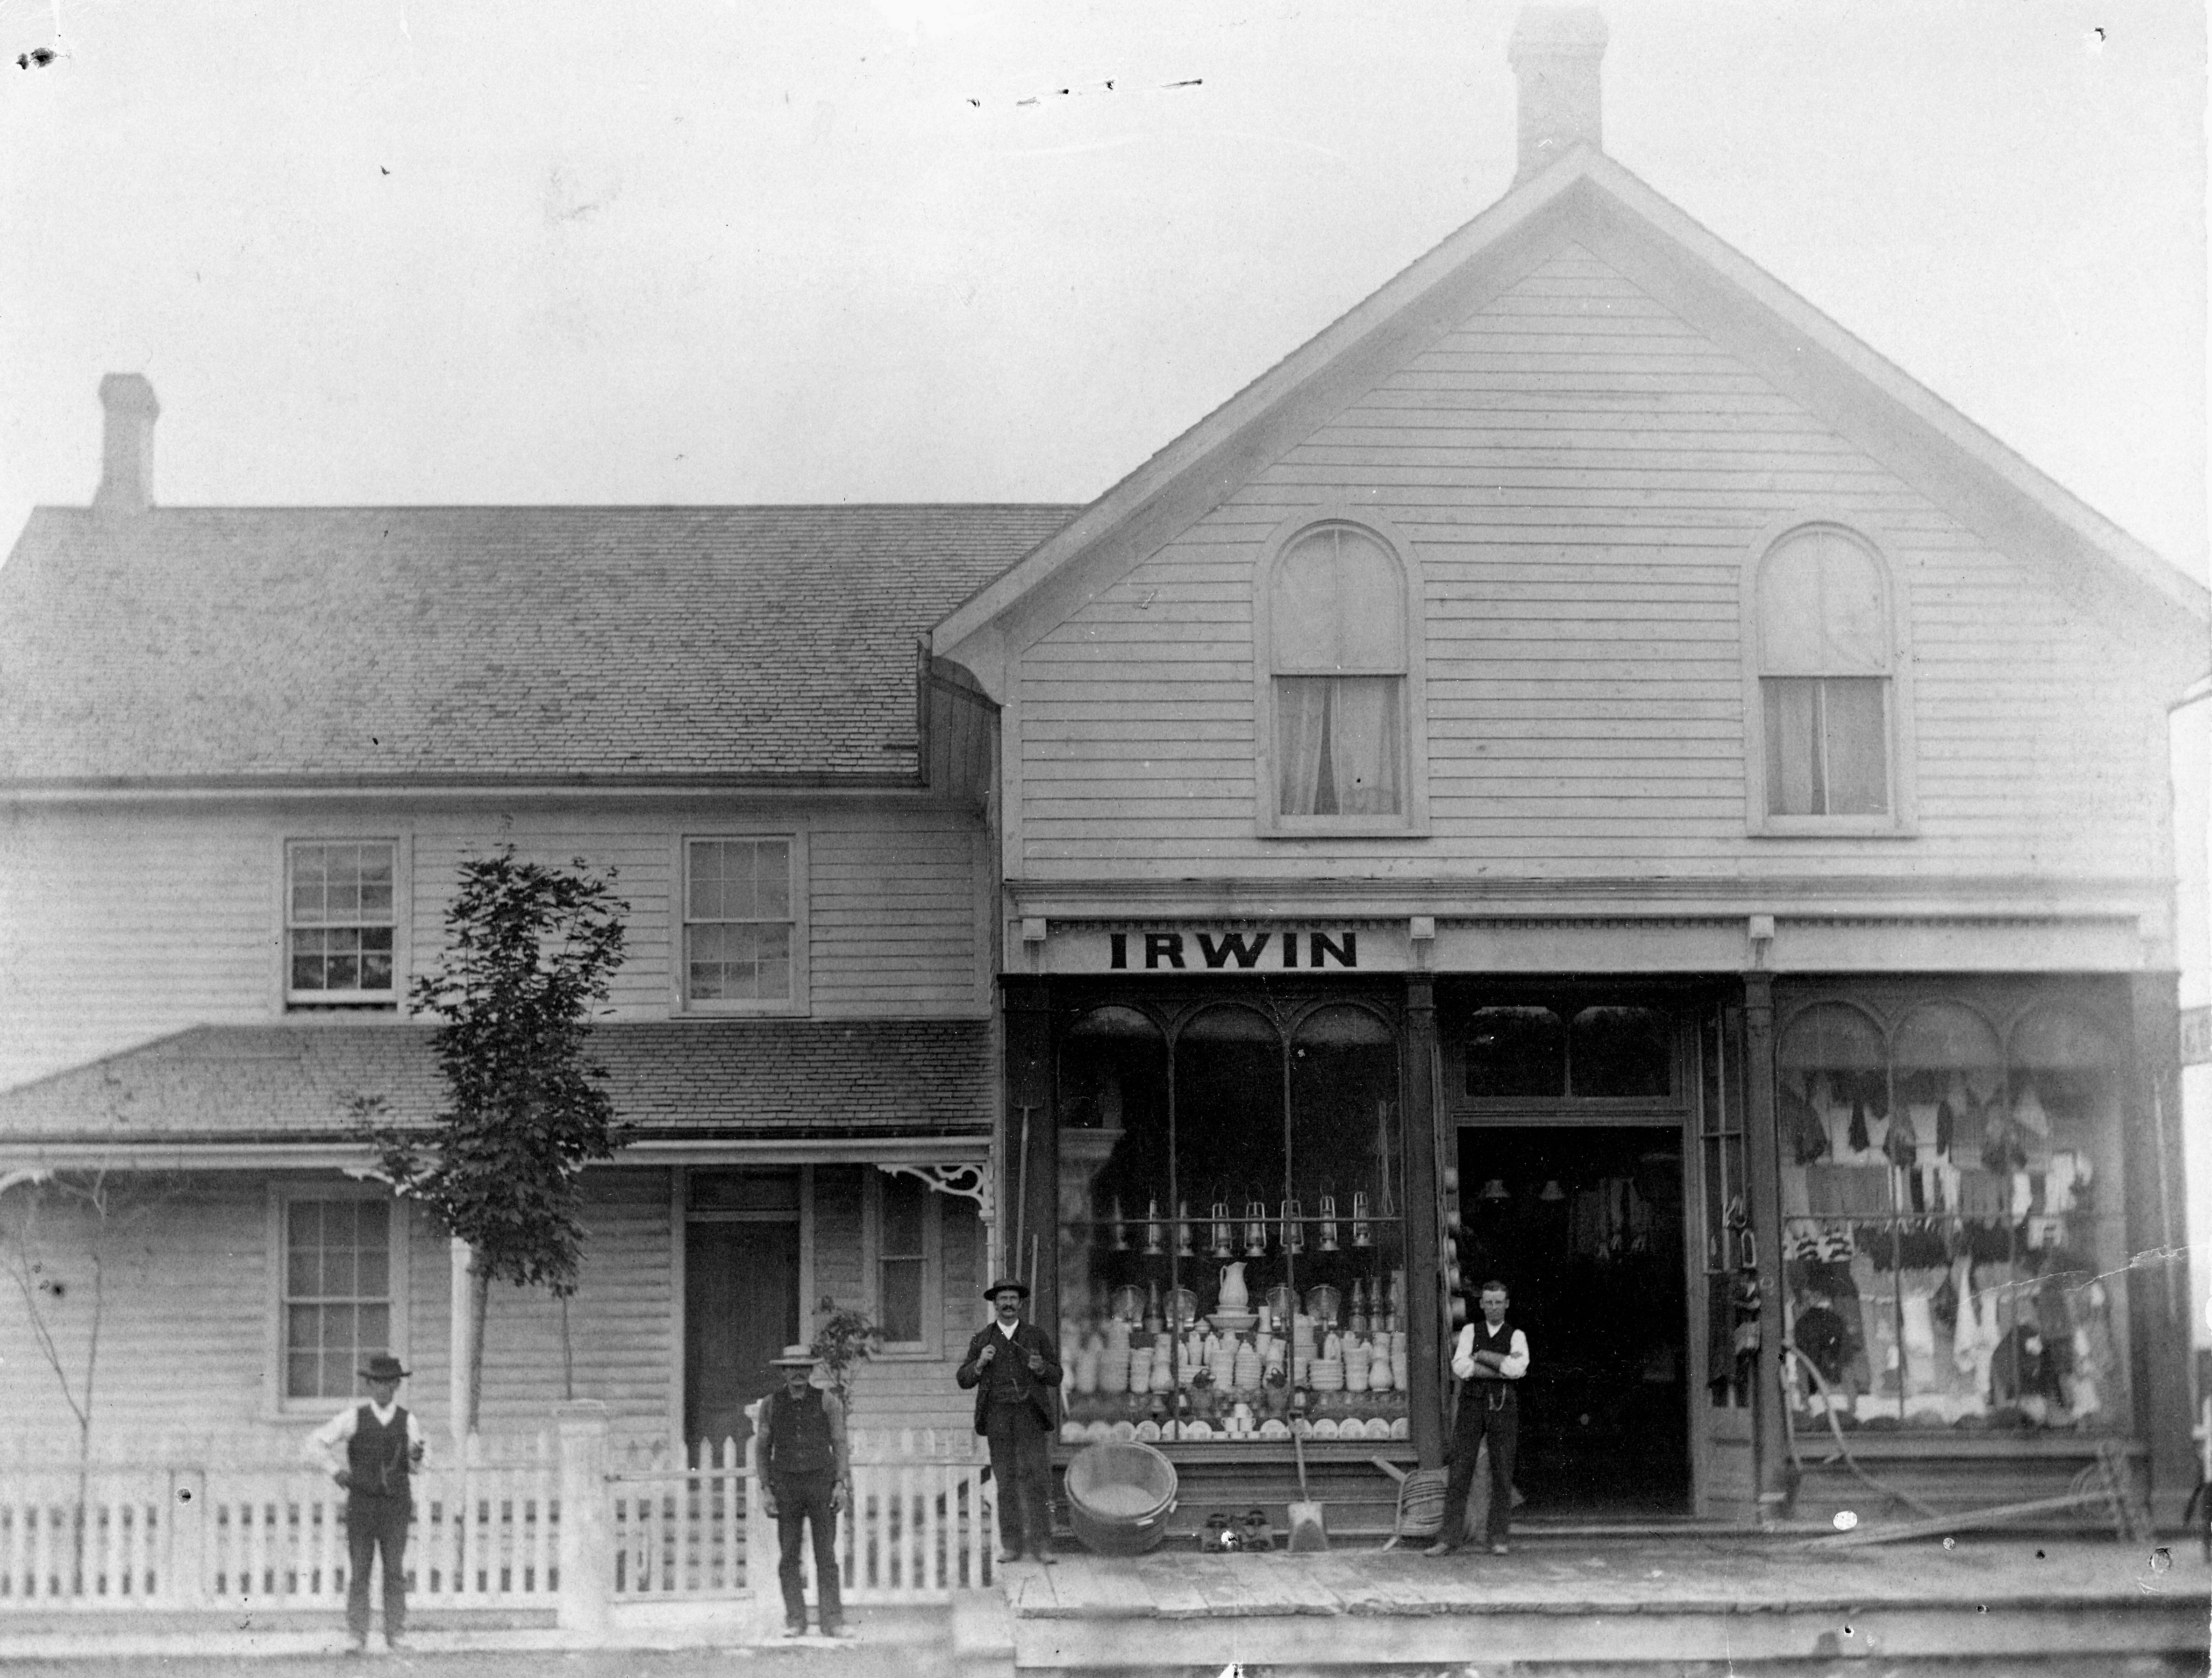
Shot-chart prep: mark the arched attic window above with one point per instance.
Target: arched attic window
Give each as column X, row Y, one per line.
column 1827, row 668
column 1337, row 674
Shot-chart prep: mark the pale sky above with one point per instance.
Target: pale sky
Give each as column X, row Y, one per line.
column 865, row 250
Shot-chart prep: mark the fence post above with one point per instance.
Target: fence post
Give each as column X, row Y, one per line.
column 587, row 1563
column 185, row 1577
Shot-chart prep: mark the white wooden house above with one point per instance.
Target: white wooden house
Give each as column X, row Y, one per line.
column 1587, row 725
column 241, row 753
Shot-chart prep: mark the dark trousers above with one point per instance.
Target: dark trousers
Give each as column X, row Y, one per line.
column 376, row 1526
column 1021, row 1461
column 1502, row 1427
column 801, row 1501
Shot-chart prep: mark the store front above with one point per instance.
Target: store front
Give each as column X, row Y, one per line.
column 1247, row 1199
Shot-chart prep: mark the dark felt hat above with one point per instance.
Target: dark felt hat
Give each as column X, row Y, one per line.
column 384, row 1367
column 1003, row 1284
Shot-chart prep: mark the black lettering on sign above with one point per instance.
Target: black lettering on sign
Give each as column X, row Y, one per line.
column 1319, row 946
column 1232, row 944
column 1118, row 943
column 1290, row 949
column 1163, row 947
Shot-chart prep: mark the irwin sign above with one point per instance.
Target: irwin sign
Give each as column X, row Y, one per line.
column 1229, row 952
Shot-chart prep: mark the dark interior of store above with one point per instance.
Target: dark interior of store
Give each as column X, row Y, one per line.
column 1583, row 1223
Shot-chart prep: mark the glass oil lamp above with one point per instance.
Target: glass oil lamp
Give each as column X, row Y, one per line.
column 1224, row 1245
column 1328, row 1223
column 1294, row 1227
column 1363, row 1234
column 1256, row 1228
column 1155, row 1244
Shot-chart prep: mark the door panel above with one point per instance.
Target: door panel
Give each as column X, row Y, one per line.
column 740, row 1309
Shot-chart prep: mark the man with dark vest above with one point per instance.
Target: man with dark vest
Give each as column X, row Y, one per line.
column 806, row 1475
column 1014, row 1368
column 371, row 1450
column 1490, row 1358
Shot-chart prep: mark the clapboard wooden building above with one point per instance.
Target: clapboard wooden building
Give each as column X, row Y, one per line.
column 241, row 754
column 1586, row 745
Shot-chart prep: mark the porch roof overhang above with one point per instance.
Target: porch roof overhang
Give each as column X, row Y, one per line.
column 237, row 1097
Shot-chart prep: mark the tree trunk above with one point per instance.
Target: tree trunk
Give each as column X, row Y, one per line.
column 480, row 1306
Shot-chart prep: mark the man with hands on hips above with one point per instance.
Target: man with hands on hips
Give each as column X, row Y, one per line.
column 372, row 1450
column 807, row 1471
column 1014, row 1368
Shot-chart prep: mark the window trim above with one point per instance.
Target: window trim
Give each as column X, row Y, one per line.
column 350, row 1005
column 1411, row 822
column 682, row 1004
column 275, row 1404
column 927, row 1349
column 1902, row 820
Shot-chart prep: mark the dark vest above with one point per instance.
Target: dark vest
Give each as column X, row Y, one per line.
column 376, row 1455
column 1497, row 1390
column 798, row 1435
column 1008, row 1380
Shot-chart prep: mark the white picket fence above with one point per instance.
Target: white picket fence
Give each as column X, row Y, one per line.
column 195, row 1524
column 235, row 1529
column 687, row 1521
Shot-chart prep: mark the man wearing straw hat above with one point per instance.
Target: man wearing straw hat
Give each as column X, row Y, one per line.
column 371, row 1449
column 806, row 1469
column 1014, row 1368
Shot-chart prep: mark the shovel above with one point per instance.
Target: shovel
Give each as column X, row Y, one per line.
column 1308, row 1531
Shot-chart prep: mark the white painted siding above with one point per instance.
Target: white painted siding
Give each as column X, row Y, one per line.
column 119, row 925
column 1582, row 475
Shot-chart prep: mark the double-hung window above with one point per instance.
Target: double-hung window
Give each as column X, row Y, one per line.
column 902, row 1230
column 336, row 1308
column 739, row 922
column 1337, row 670
column 339, row 923
column 1827, row 683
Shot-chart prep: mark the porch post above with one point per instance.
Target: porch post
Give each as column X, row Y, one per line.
column 2157, row 1229
column 460, row 1340
column 1416, row 1084
column 1762, row 1159
column 587, row 1560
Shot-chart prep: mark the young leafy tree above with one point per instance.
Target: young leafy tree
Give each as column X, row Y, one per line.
column 529, row 952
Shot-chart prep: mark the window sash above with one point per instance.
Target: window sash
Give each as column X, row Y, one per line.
column 335, row 1305
column 1827, row 745
column 340, row 920
column 739, row 924
column 905, row 1232
column 1339, row 745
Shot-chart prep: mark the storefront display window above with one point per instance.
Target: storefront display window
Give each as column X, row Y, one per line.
column 1948, row 1262
column 1230, row 1248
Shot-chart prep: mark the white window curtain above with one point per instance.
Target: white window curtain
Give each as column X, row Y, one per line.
column 1824, row 656
column 1337, row 630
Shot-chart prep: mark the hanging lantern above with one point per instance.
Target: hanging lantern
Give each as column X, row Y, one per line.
column 1494, row 1189
column 1552, row 1190
column 1256, row 1228
column 1294, row 1227
column 1361, row 1235
column 1225, row 1243
column 1121, row 1227
column 1328, row 1223
column 1182, row 1230
column 1154, row 1243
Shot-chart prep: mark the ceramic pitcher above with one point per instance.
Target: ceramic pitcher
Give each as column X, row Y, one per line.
column 1235, row 1296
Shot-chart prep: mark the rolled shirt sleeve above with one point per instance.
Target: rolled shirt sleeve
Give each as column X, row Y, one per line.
column 1462, row 1363
column 325, row 1446
column 1515, row 1364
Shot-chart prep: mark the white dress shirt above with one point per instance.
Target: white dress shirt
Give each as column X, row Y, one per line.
column 1512, row 1367
column 326, row 1445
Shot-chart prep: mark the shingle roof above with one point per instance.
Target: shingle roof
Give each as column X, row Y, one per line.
column 706, row 1078
column 416, row 644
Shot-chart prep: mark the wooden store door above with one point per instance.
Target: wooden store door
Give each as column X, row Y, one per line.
column 740, row 1295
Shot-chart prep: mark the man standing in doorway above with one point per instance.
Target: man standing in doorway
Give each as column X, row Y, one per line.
column 1014, row 1368
column 1490, row 1358
column 372, row 1450
column 807, row 1471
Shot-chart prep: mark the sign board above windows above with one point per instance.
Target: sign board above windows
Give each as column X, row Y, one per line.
column 1246, row 950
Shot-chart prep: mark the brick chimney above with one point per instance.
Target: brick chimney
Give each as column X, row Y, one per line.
column 126, row 472
column 1555, row 51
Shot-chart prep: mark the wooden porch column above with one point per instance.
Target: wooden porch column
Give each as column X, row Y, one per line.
column 1763, row 1160
column 1031, row 1198
column 2157, row 1229
column 1417, row 1083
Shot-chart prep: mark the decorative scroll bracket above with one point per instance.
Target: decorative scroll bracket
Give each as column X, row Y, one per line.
column 969, row 1181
